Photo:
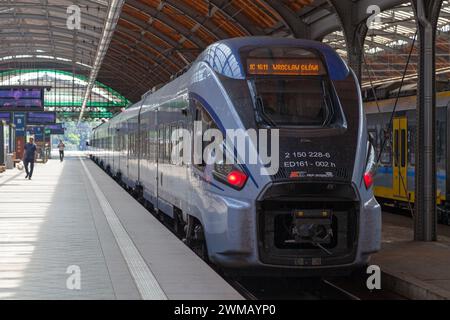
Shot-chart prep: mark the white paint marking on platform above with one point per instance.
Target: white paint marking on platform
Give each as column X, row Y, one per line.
column 145, row 280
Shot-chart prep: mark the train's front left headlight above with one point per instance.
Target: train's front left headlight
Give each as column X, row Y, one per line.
column 371, row 166
column 231, row 175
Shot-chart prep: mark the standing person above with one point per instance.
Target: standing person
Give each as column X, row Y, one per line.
column 61, row 147
column 29, row 158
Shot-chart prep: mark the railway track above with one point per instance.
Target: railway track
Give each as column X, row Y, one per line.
column 290, row 289
column 308, row 289
column 339, row 291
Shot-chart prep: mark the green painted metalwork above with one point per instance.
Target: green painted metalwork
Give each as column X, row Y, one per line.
column 67, row 91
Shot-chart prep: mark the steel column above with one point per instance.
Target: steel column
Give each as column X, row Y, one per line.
column 354, row 33
column 425, row 221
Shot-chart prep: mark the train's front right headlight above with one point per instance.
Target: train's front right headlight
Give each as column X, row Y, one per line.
column 371, row 167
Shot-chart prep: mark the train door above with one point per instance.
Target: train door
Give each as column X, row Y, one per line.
column 400, row 163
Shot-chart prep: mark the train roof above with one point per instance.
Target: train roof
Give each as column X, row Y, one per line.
column 224, row 56
column 404, row 103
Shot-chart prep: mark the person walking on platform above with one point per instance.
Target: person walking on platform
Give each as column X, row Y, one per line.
column 29, row 158
column 61, row 147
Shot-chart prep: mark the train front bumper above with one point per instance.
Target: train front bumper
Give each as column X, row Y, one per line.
column 239, row 239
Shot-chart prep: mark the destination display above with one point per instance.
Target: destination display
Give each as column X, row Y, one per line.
column 54, row 129
column 41, row 118
column 285, row 67
column 21, row 98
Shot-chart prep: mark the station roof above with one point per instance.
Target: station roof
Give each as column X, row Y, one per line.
column 154, row 39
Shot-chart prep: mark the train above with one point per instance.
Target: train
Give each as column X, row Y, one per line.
column 394, row 182
column 304, row 206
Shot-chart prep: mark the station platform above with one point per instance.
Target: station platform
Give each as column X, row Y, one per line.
column 415, row 270
column 72, row 233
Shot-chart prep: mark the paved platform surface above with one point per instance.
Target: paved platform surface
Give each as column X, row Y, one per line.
column 63, row 236
column 416, row 270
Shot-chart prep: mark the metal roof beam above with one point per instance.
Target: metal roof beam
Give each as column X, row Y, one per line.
column 169, row 21
column 290, row 19
column 114, row 10
column 139, row 38
column 147, row 27
column 234, row 14
column 204, row 22
column 38, row 17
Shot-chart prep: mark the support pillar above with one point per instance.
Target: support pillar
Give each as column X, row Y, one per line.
column 354, row 31
column 425, row 222
column 298, row 28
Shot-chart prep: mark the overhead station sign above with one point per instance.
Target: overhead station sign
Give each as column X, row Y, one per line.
column 19, row 99
column 19, row 119
column 285, row 67
column 54, row 129
column 41, row 118
column 5, row 116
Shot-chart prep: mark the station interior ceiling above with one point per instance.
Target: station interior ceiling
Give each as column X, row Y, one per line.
column 152, row 40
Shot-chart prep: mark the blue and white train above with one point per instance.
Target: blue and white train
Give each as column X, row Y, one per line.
column 316, row 215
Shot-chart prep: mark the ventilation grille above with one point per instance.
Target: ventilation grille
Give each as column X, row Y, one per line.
column 342, row 173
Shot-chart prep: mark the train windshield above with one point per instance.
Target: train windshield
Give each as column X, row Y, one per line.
column 293, row 101
column 290, row 87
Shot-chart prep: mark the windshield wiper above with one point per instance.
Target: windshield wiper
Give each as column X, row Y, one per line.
column 260, row 112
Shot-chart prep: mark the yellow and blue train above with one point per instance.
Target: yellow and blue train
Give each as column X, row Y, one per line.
column 395, row 178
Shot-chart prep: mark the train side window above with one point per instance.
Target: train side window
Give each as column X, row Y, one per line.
column 396, row 148
column 201, row 115
column 168, row 143
column 154, row 145
column 386, row 156
column 131, row 144
column 412, row 146
column 143, row 144
column 147, row 145
column 161, row 144
column 403, row 150
column 135, row 144
column 180, row 151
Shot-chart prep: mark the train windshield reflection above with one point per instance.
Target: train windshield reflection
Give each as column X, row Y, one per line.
column 294, row 101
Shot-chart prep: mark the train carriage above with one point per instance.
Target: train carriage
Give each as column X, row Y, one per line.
column 395, row 178
column 314, row 214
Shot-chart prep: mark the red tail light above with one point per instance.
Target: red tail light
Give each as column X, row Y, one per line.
column 231, row 175
column 237, row 179
column 368, row 180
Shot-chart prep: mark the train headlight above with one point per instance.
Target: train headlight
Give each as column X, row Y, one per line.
column 237, row 179
column 231, row 175
column 371, row 166
column 368, row 180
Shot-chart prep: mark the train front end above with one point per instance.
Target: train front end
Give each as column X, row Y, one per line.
column 311, row 209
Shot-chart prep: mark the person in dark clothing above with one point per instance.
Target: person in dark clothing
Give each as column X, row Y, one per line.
column 61, row 147
column 29, row 157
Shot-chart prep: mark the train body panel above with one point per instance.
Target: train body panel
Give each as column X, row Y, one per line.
column 395, row 182
column 322, row 162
